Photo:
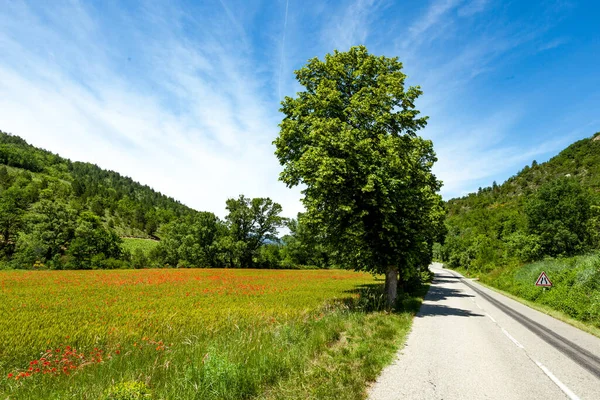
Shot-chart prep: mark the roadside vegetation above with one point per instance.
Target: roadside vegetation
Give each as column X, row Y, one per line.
column 189, row 333
column 576, row 285
column 545, row 218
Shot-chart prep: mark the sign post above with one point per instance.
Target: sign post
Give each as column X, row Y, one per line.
column 543, row 280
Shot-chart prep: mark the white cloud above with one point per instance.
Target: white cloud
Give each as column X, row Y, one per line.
column 552, row 44
column 213, row 144
column 431, row 24
column 351, row 26
column 473, row 7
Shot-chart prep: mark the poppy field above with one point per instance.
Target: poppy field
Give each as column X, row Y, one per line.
column 191, row 333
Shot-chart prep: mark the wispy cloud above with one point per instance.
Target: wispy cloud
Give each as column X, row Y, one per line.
column 431, row 23
column 473, row 7
column 552, row 44
column 197, row 129
column 351, row 25
column 183, row 96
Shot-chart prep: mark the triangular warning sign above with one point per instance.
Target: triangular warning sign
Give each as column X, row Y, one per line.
column 543, row 280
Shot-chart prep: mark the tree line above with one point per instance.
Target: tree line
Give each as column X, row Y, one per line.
column 69, row 222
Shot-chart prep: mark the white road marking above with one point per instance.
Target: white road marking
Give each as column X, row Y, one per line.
column 508, row 335
column 561, row 385
column 490, row 317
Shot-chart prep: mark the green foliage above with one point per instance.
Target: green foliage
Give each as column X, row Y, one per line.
column 49, row 230
column 47, row 204
column 350, row 139
column 575, row 291
column 191, row 241
column 139, row 259
column 93, row 245
column 131, row 245
column 59, row 214
column 559, row 214
column 546, row 210
column 131, row 390
column 269, row 256
column 106, row 193
column 301, row 247
column 251, row 222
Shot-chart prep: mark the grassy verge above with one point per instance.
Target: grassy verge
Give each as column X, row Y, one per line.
column 574, row 297
column 365, row 343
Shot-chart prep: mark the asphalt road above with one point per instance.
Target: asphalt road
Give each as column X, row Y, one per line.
column 469, row 342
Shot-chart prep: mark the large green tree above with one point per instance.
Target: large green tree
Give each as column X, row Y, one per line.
column 251, row 223
column 92, row 243
column 49, row 230
column 350, row 138
column 192, row 241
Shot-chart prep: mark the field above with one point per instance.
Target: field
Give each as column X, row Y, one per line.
column 193, row 333
column 131, row 244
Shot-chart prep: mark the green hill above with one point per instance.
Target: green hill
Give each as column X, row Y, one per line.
column 45, row 199
column 499, row 224
column 59, row 214
column 545, row 218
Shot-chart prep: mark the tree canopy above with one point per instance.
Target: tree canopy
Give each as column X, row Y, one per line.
column 350, row 138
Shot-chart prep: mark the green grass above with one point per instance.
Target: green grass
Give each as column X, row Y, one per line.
column 131, row 244
column 198, row 333
column 575, row 294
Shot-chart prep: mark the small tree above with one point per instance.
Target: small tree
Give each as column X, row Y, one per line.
column 251, row 222
column 91, row 242
column 350, row 138
column 193, row 240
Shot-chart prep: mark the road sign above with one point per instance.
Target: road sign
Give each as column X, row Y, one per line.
column 543, row 280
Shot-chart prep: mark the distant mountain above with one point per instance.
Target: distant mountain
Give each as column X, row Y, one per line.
column 496, row 224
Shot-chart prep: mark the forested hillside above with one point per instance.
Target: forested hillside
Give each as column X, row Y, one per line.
column 550, row 209
column 55, row 213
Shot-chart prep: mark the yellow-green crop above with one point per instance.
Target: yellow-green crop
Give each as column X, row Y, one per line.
column 188, row 333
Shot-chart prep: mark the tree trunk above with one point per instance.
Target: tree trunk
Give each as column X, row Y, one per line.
column 391, row 286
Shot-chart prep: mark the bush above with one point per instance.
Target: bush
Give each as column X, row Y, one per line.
column 524, row 247
column 139, row 259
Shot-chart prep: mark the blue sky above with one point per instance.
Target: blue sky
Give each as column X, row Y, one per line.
column 184, row 96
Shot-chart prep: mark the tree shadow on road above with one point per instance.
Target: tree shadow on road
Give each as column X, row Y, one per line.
column 445, row 279
column 439, row 293
column 434, row 310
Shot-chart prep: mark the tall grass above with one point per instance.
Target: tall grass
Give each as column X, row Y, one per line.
column 186, row 334
column 575, row 291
